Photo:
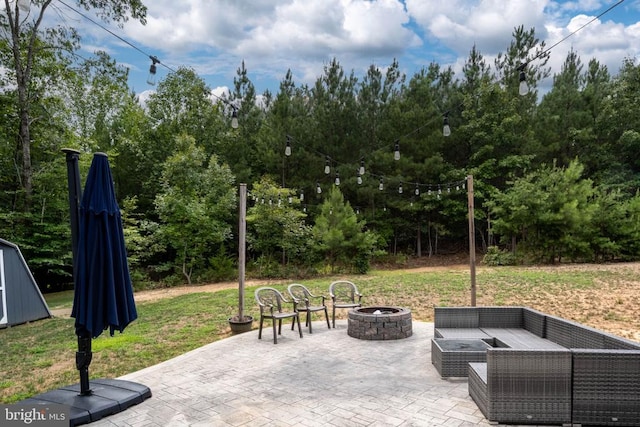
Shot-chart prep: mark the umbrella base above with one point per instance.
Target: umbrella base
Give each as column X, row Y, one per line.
column 108, row 397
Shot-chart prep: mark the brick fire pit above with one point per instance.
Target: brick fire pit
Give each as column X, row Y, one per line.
column 379, row 323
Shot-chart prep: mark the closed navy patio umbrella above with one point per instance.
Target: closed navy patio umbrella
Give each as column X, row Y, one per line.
column 104, row 295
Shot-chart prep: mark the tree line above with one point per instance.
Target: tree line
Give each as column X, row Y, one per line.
column 340, row 171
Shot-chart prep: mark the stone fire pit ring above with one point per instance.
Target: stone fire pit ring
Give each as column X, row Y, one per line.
column 379, row 323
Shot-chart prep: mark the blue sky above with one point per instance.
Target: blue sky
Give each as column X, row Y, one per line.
column 271, row 36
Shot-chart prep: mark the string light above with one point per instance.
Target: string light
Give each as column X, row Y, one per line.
column 234, row 118
column 337, row 181
column 396, row 151
column 318, row 188
column 400, row 188
column 523, row 87
column 361, row 171
column 359, row 179
column 446, row 129
column 327, row 165
column 287, row 150
column 381, row 185
column 301, row 195
column 417, row 192
column 151, row 79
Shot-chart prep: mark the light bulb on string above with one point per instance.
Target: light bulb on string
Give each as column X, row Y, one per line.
column 523, row 87
column 446, row 129
column 279, row 201
column 301, row 195
column 290, row 199
column 327, row 166
column 417, row 192
column 361, row 171
column 400, row 189
column 337, row 181
column 359, row 179
column 270, row 202
column 234, row 118
column 381, row 185
column 287, row 149
column 318, row 188
column 304, row 209
column 396, row 151
column 151, row 78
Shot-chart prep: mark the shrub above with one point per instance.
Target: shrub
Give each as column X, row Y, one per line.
column 496, row 256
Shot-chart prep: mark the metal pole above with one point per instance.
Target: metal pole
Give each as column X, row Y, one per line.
column 75, row 194
column 84, row 354
column 472, row 240
column 242, row 252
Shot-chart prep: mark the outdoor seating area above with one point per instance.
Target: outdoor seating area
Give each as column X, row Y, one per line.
column 274, row 306
column 527, row 367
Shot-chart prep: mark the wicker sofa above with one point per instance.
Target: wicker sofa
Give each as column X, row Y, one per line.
column 541, row 369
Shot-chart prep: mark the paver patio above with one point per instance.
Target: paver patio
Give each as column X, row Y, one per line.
column 326, row 378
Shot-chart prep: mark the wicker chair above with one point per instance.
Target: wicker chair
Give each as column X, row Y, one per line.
column 270, row 301
column 303, row 302
column 344, row 294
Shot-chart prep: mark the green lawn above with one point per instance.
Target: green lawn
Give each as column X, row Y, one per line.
column 40, row 356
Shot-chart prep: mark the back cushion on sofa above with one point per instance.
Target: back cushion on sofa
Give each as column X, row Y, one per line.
column 573, row 335
column 500, row 317
column 455, row 317
column 534, row 321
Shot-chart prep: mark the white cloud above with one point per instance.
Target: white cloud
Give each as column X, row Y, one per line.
column 488, row 24
column 277, row 35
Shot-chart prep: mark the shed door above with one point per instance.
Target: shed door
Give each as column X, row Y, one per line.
column 3, row 293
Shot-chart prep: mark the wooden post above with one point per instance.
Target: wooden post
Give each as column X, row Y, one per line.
column 242, row 252
column 472, row 240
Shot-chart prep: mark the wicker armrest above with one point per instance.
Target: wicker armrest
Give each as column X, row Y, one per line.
column 529, row 386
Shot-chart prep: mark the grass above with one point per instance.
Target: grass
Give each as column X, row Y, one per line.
column 40, row 356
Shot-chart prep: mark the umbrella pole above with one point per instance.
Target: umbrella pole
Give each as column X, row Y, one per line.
column 83, row 360
column 83, row 355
